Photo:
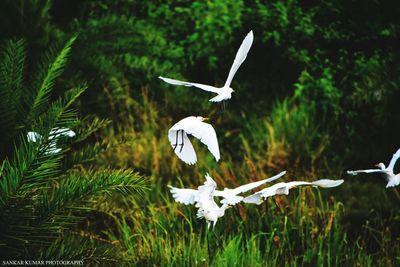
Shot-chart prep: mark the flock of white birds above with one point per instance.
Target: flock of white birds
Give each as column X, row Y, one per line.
column 203, row 197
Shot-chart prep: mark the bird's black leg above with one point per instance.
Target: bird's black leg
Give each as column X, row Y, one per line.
column 176, row 140
column 182, row 142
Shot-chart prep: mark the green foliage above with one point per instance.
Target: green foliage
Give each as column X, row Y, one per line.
column 333, row 65
column 322, row 88
column 289, row 136
column 39, row 198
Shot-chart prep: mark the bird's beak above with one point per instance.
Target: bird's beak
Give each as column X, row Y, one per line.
column 229, row 207
column 205, row 119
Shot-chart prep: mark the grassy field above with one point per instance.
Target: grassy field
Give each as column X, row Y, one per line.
column 331, row 227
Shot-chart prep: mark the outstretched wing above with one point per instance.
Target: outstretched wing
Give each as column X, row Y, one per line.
column 204, row 87
column 395, row 157
column 240, row 57
column 366, row 171
column 327, row 183
column 277, row 189
column 247, row 187
column 183, row 195
column 186, row 153
column 206, row 134
column 208, row 187
column 206, row 194
column 254, row 199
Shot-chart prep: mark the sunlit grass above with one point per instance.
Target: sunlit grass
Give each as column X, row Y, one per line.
column 307, row 228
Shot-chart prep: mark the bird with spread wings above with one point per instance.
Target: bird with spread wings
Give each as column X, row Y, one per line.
column 388, row 172
column 183, row 148
column 203, row 197
column 224, row 92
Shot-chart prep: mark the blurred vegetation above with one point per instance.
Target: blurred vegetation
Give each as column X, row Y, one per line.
column 318, row 94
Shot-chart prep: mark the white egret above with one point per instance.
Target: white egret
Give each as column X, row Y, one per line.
column 195, row 126
column 230, row 196
column 283, row 189
column 225, row 92
column 388, row 172
column 54, row 134
column 203, row 197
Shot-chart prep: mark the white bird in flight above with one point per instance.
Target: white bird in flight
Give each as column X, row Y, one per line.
column 231, row 196
column 225, row 92
column 283, row 189
column 195, row 126
column 54, row 134
column 393, row 179
column 203, row 197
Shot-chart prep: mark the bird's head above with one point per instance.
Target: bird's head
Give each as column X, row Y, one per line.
column 381, row 166
column 200, row 118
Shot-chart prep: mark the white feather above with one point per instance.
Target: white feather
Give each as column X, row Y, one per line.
column 240, row 57
column 230, row 196
column 199, row 129
column 204, row 87
column 225, row 92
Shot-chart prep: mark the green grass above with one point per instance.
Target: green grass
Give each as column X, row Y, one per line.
column 310, row 227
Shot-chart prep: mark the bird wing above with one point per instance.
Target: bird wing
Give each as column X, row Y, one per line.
column 204, row 87
column 187, row 154
column 206, row 194
column 183, row 195
column 34, row 137
column 366, row 171
column 255, row 198
column 249, row 186
column 208, row 187
column 58, row 131
column 240, row 57
column 206, row 134
column 276, row 189
column 327, row 183
column 297, row 183
column 283, row 188
column 395, row 157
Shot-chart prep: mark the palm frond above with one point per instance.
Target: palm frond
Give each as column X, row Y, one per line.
column 45, row 80
column 12, row 61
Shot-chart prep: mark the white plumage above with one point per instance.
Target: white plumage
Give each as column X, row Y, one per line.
column 283, row 189
column 225, row 92
column 388, row 172
column 203, row 198
column 195, row 126
column 54, row 134
column 231, row 196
